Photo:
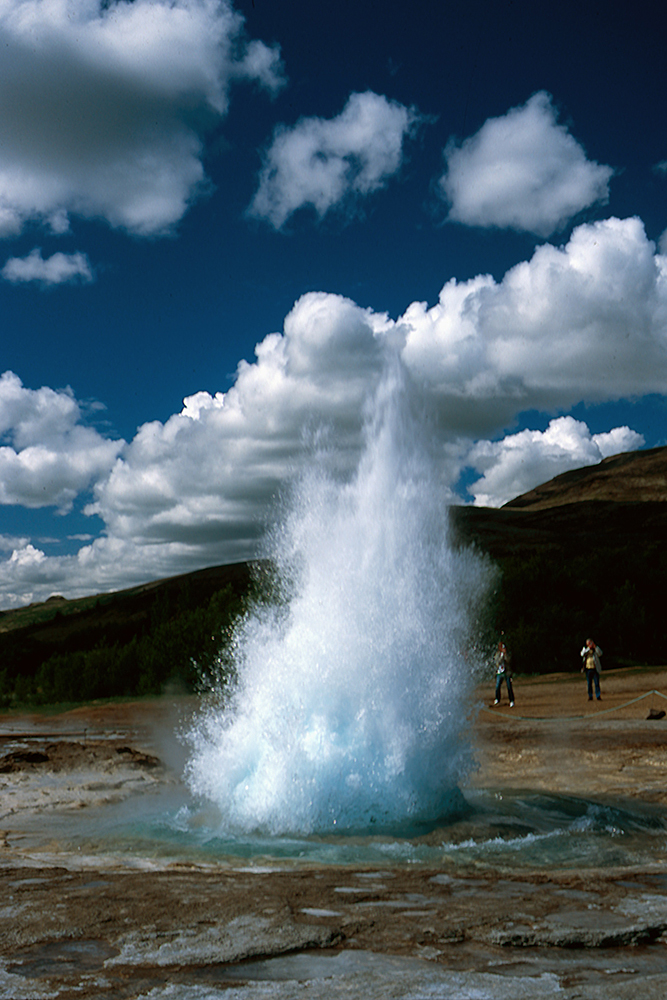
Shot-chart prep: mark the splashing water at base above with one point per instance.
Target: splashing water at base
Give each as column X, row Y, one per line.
column 354, row 688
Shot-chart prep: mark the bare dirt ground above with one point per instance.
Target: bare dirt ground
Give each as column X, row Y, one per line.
column 97, row 925
column 554, row 739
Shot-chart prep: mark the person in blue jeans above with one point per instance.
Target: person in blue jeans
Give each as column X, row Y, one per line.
column 591, row 666
column 503, row 672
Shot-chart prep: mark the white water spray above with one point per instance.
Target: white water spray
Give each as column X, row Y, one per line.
column 353, row 694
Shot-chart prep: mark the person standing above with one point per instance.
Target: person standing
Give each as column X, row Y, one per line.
column 503, row 672
column 592, row 666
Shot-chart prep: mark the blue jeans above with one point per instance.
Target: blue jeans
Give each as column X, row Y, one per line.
column 508, row 680
column 593, row 677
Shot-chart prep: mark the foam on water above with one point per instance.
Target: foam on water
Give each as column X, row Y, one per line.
column 353, row 688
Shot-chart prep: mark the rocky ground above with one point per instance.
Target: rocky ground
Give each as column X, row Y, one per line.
column 91, row 924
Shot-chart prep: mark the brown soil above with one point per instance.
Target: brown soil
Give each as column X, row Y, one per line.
column 97, row 926
column 555, row 739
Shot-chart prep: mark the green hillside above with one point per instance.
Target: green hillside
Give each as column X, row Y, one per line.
column 139, row 641
column 583, row 555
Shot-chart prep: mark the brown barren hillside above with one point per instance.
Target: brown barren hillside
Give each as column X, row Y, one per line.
column 622, row 500
column 628, row 478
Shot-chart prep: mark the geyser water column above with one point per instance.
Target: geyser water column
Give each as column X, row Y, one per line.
column 353, row 691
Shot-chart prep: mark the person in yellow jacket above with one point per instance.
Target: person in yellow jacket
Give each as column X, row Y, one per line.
column 592, row 666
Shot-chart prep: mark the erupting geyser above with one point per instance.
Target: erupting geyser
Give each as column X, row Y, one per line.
column 353, row 690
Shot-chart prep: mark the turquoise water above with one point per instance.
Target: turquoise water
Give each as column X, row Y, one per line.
column 503, row 832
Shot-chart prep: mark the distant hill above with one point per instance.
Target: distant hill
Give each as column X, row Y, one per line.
column 581, row 555
column 623, row 496
column 57, row 618
column 134, row 641
column 635, row 476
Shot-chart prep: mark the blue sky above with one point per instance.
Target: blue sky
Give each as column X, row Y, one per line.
column 212, row 216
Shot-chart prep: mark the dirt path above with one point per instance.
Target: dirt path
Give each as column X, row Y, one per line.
column 554, row 739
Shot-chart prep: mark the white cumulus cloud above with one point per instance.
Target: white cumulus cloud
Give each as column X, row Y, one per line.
column 522, row 461
column 47, row 456
column 210, row 473
column 523, row 171
column 103, row 106
column 58, row 269
column 327, row 163
column 583, row 322
column 8, row 543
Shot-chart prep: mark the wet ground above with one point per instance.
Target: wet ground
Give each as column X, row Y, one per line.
column 80, row 919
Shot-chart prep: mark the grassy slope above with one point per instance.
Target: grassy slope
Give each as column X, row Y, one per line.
column 128, row 642
column 582, row 555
